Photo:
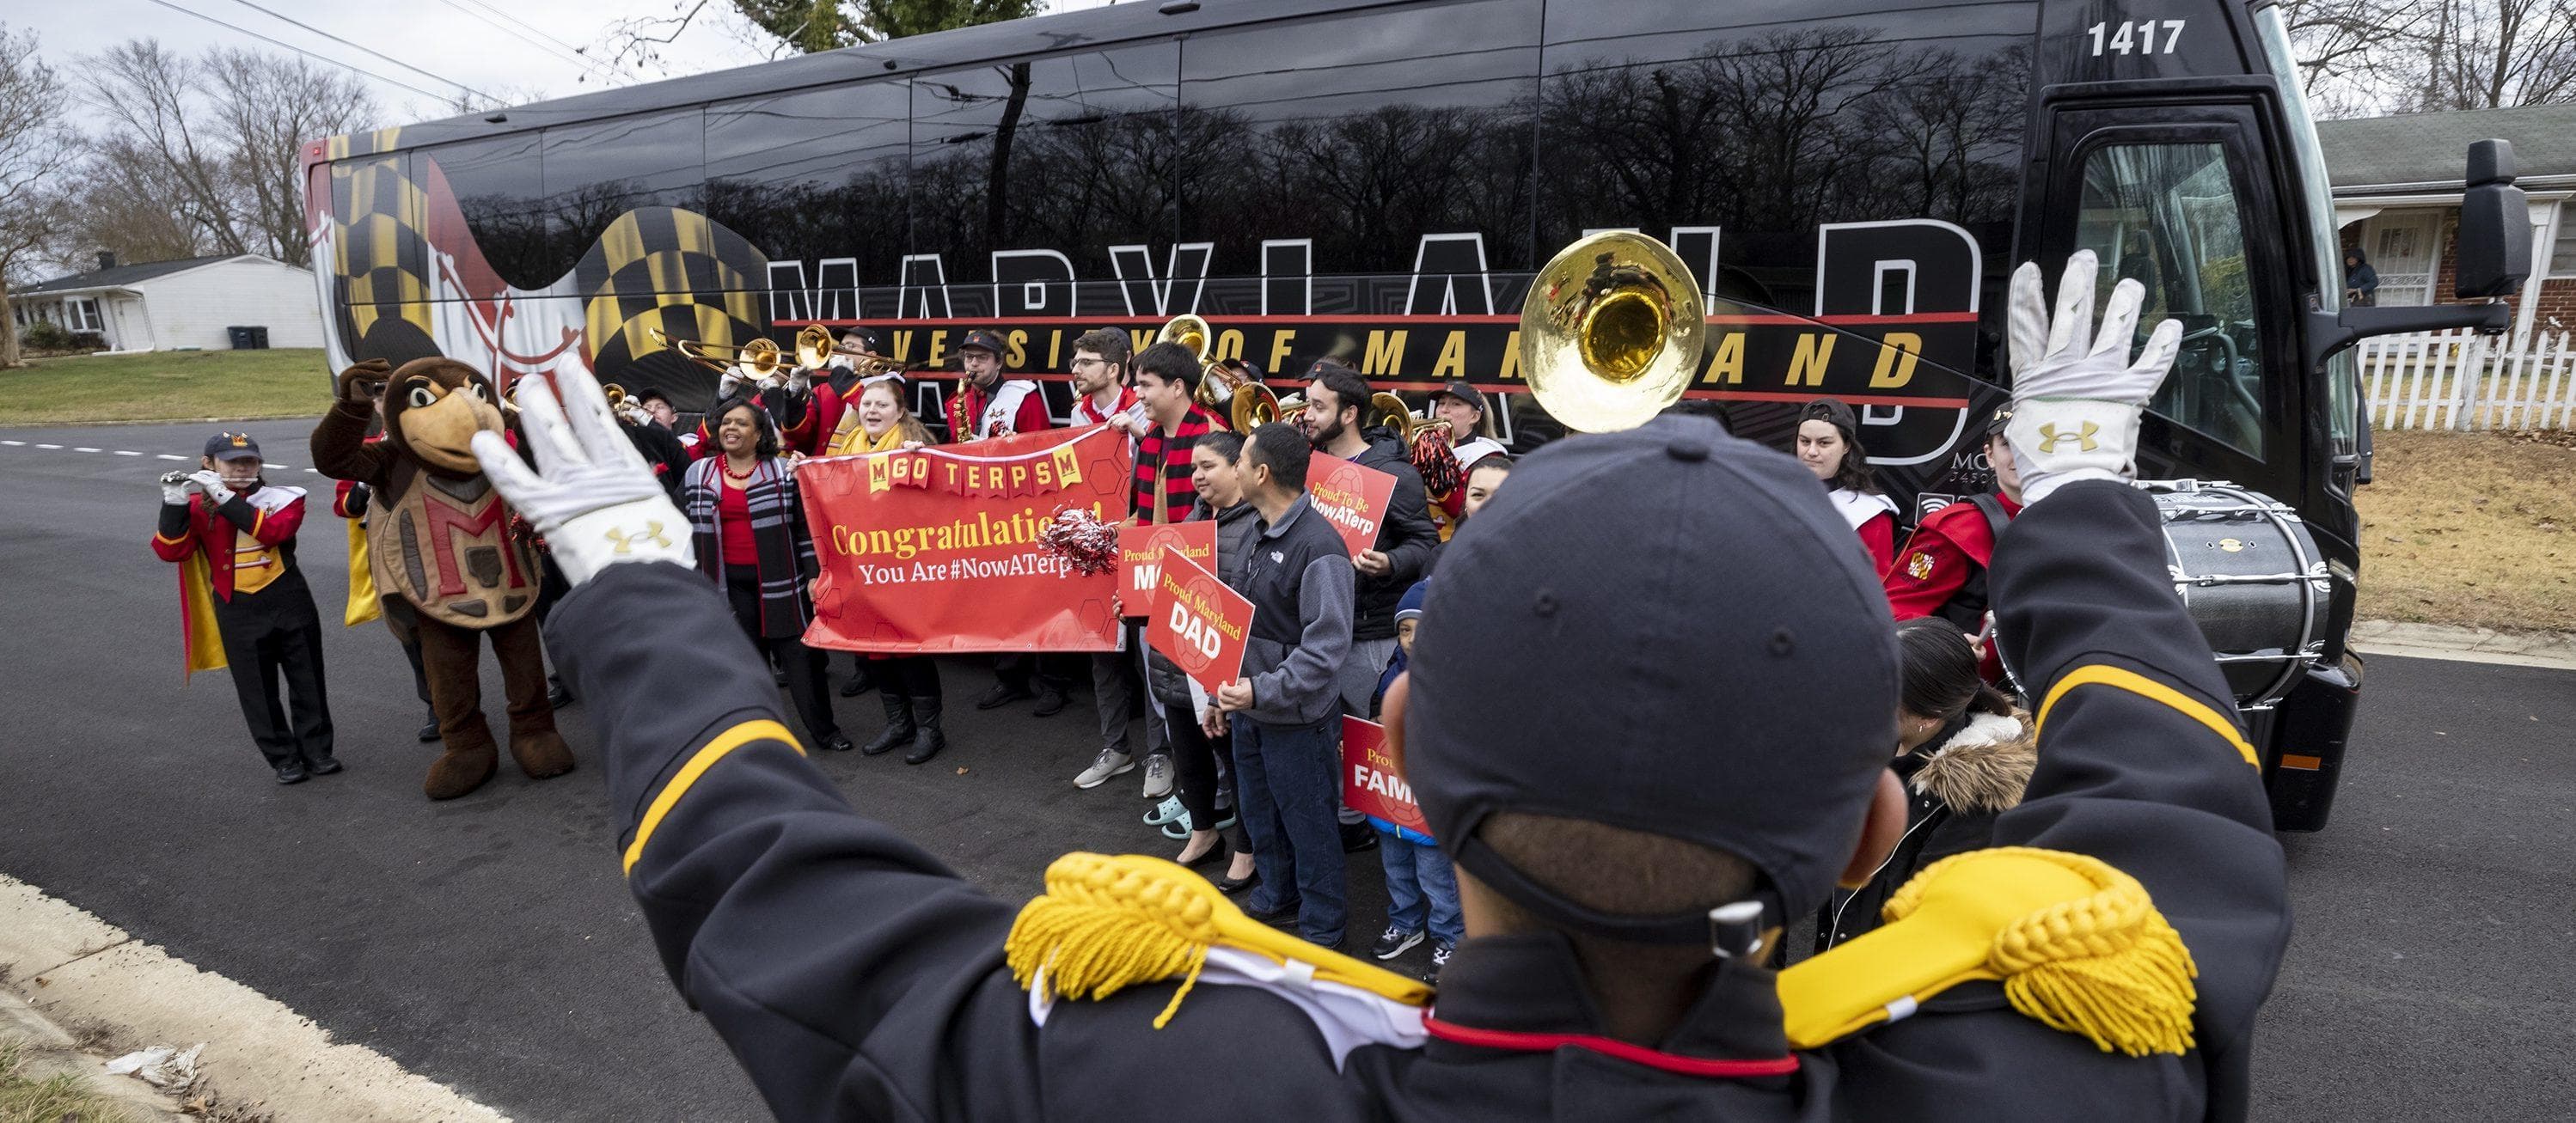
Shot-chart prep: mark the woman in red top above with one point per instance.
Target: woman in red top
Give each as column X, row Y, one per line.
column 752, row 540
column 1829, row 445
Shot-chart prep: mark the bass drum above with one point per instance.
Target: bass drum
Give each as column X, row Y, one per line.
column 2253, row 580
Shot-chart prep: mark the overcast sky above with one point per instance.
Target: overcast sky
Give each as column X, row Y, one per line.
column 474, row 42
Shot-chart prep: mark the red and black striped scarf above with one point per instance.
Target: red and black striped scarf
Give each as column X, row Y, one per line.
column 1166, row 460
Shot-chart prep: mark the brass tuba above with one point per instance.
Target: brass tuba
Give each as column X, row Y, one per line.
column 1612, row 332
column 760, row 357
column 1216, row 383
column 1254, row 407
column 815, row 348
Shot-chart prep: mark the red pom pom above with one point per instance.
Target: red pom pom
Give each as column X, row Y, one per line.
column 1079, row 537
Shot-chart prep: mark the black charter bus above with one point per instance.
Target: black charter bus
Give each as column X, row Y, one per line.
column 1851, row 180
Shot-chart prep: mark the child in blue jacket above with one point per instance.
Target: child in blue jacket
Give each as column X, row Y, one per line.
column 1420, row 884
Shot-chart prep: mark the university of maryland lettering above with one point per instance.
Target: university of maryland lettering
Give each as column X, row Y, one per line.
column 1044, row 474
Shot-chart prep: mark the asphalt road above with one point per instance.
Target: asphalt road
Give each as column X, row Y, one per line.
column 489, row 943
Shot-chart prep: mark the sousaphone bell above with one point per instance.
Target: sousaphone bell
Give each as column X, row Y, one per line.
column 1612, row 332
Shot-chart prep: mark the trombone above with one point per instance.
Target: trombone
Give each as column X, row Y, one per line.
column 1612, row 332
column 1249, row 404
column 815, row 348
column 760, row 357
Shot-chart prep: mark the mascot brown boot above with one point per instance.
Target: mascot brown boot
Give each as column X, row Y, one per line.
column 540, row 750
column 448, row 653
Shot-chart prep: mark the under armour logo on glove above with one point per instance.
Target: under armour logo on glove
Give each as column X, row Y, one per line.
column 626, row 539
column 2049, row 437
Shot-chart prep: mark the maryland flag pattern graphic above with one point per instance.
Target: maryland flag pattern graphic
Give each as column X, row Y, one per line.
column 405, row 278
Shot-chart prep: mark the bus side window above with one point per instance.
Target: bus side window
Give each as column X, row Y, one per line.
column 2167, row 216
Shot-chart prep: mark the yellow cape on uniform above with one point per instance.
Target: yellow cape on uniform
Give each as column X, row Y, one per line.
column 363, row 604
column 199, row 634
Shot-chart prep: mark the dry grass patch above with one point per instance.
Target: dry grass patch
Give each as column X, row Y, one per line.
column 2472, row 529
column 55, row 1099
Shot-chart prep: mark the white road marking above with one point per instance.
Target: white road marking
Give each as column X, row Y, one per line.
column 83, row 448
column 14, row 444
column 122, row 452
column 55, row 447
column 167, row 456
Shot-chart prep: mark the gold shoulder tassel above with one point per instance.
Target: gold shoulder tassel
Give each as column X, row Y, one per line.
column 2077, row 944
column 1108, row 923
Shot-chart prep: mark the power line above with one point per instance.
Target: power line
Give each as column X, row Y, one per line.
column 302, row 51
column 369, row 50
column 576, row 53
column 568, row 54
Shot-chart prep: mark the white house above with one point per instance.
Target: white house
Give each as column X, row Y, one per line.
column 165, row 305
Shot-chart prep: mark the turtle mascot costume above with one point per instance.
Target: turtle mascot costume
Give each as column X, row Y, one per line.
column 444, row 551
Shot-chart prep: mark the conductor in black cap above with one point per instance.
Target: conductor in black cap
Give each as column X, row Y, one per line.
column 1638, row 769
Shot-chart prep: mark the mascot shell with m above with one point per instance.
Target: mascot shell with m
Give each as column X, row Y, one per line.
column 443, row 550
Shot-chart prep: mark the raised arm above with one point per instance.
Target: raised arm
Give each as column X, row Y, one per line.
column 852, row 975
column 339, row 447
column 2141, row 760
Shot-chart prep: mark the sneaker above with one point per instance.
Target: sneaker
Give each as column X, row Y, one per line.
column 1104, row 766
column 1396, row 941
column 1051, row 702
column 1440, row 954
column 292, row 773
column 1158, row 776
column 1002, row 694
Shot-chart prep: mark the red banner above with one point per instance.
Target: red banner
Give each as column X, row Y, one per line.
column 936, row 549
column 1351, row 497
column 1140, row 556
column 1371, row 783
column 1198, row 623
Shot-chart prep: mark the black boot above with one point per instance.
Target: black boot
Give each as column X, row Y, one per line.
column 925, row 710
column 899, row 727
column 860, row 680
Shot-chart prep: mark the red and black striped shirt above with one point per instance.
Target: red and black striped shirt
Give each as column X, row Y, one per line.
column 1164, row 463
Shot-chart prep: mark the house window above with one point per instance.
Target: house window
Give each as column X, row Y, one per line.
column 84, row 316
column 2404, row 250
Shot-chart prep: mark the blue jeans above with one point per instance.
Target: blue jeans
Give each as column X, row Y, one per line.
column 1287, row 789
column 1419, row 880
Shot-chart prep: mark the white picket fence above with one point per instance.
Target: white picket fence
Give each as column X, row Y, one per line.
column 2463, row 380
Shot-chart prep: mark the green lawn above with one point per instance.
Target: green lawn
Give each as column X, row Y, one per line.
column 166, row 386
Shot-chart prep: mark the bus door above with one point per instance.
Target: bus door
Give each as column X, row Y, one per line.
column 2180, row 198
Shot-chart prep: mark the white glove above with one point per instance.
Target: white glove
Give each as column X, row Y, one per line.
column 174, row 490
column 732, row 383
column 799, row 380
column 212, row 487
column 2076, row 408
column 592, row 497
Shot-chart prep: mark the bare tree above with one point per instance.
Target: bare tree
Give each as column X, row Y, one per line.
column 266, row 107
column 784, row 27
column 119, row 199
column 145, row 91
column 2351, row 53
column 32, row 149
column 2487, row 54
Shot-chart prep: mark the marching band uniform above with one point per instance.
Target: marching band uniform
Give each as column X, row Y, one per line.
column 350, row 501
column 2108, row 960
column 855, row 976
column 1085, row 413
column 245, row 607
column 1873, row 517
column 1945, row 565
column 1012, row 404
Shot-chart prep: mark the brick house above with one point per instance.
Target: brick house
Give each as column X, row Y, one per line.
column 2397, row 198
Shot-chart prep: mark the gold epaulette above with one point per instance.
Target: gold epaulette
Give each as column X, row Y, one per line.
column 2077, row 944
column 1108, row 923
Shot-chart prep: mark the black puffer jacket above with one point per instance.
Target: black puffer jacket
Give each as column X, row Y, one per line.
column 1978, row 772
column 1407, row 537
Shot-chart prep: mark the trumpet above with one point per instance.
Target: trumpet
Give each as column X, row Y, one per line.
column 815, row 348
column 1612, row 332
column 624, row 404
column 760, row 357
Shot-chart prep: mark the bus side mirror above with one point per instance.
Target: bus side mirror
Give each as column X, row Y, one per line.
column 2495, row 225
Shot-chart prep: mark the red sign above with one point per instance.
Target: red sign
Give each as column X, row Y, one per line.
column 936, row 549
column 1198, row 623
column 1351, row 497
column 1371, row 783
column 1140, row 556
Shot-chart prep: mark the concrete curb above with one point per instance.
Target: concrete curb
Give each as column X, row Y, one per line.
column 51, row 1052
column 2556, row 650
column 69, row 964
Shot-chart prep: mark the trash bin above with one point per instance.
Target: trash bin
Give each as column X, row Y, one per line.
column 248, row 338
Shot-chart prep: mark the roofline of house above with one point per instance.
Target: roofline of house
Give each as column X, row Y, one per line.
column 2531, row 183
column 208, row 263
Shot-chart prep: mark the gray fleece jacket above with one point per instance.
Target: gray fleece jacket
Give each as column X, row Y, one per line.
column 1299, row 580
